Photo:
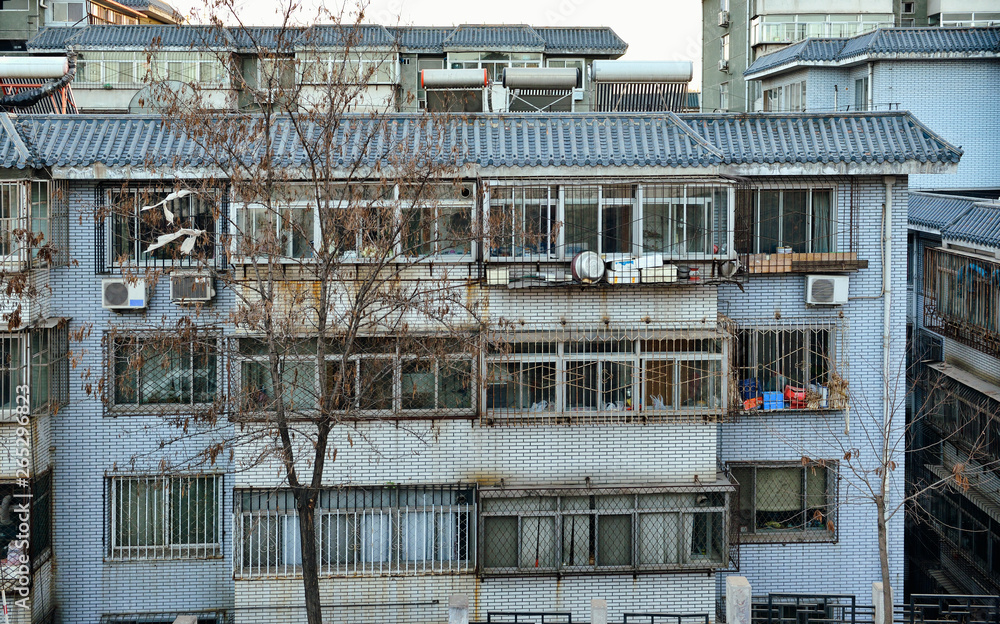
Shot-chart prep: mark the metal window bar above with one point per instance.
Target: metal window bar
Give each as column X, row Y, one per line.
column 785, row 502
column 790, row 364
column 125, row 230
column 162, row 373
column 962, row 298
column 618, row 375
column 808, row 227
column 680, row 221
column 164, row 517
column 609, row 530
column 668, row 618
column 947, row 609
column 405, row 531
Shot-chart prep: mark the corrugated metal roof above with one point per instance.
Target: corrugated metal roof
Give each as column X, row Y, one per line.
column 935, row 211
column 508, row 140
column 822, row 138
column 577, row 40
column 979, row 225
column 489, row 37
column 886, row 42
column 52, row 38
column 147, row 35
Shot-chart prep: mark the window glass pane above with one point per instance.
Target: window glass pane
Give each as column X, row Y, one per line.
column 823, row 227
column 581, row 220
column 614, row 540
column 455, row 228
column 616, row 386
column 793, row 210
column 581, row 385
column 299, row 380
column 500, row 542
column 297, row 231
column 419, row 234
column 696, row 219
column 769, row 221
column 658, row 538
column 455, row 378
column 616, row 219
column 659, row 382
column 10, row 368
column 538, row 543
column 194, row 506
column 778, row 498
column 417, row 384
column 140, row 513
column 576, row 535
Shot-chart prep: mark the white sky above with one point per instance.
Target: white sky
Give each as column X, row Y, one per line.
column 654, row 31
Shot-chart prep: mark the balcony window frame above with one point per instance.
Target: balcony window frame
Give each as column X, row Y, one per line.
column 751, row 533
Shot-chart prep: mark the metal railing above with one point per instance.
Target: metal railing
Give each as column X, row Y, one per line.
column 962, row 298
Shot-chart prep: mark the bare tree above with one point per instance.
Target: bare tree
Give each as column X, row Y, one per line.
column 334, row 228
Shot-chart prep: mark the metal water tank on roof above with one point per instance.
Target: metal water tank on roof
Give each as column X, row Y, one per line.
column 642, row 71
column 453, row 78
column 33, row 66
column 541, row 77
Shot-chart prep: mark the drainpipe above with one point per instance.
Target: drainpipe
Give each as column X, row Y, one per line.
column 871, row 86
column 836, row 97
column 886, row 296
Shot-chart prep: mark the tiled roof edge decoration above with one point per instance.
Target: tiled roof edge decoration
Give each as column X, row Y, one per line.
column 504, row 140
column 980, row 224
column 428, row 39
column 935, row 210
column 979, row 40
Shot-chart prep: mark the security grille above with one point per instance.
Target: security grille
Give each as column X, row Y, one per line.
column 786, row 502
column 621, row 375
column 528, row 532
column 157, row 517
column 359, row 532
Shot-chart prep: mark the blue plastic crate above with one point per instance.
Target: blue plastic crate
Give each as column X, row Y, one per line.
column 774, row 401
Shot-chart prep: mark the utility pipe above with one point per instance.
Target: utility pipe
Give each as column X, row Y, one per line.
column 887, row 297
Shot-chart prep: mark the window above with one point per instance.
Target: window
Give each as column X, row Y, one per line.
column 786, row 502
column 114, row 67
column 618, row 220
column 12, row 373
column 861, row 94
column 724, row 96
column 67, row 11
column 133, row 229
column 163, row 371
column 49, row 367
column 359, row 531
column 382, row 377
column 962, row 298
column 578, row 64
column 791, row 366
column 155, row 517
column 437, row 219
column 787, row 28
column 41, row 516
column 611, row 376
column 803, row 220
column 908, row 7
column 26, row 223
column 493, row 62
column 579, row 531
column 367, row 68
column 724, row 40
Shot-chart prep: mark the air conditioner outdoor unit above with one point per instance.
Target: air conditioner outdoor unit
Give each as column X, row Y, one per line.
column 724, row 65
column 826, row 289
column 120, row 294
column 723, row 18
column 191, row 288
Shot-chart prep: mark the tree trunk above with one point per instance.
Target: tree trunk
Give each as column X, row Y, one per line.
column 883, row 559
column 306, row 505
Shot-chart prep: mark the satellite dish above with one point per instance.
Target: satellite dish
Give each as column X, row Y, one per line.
column 159, row 97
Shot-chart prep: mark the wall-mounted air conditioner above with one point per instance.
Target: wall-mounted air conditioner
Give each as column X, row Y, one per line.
column 827, row 289
column 724, row 65
column 120, row 294
column 723, row 18
column 191, row 288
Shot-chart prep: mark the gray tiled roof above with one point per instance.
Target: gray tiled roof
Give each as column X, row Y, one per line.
column 144, row 36
column 264, row 37
column 979, row 225
column 822, row 138
column 426, row 39
column 887, row 42
column 576, row 40
column 53, row 38
column 490, row 37
column 422, row 38
column 145, row 5
column 935, row 211
column 334, row 36
column 507, row 140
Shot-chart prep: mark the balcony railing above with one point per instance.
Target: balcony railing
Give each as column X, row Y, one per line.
column 962, row 298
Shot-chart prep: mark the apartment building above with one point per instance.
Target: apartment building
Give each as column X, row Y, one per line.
column 951, row 302
column 663, row 313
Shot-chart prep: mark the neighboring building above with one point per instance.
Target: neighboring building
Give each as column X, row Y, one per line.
column 735, row 33
column 20, row 20
column 944, row 76
column 640, row 376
